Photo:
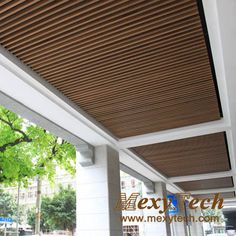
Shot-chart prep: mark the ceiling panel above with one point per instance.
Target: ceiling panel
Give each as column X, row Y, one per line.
column 206, row 184
column 136, row 66
column 222, row 195
column 197, row 155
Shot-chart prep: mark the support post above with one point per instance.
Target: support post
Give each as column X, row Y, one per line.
column 98, row 189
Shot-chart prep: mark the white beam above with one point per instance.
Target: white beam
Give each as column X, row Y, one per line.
column 221, row 18
column 175, row 134
column 230, row 200
column 209, row 191
column 202, row 176
column 20, row 109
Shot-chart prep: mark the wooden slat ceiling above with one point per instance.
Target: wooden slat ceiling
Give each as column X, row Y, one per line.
column 206, row 184
column 222, row 195
column 136, row 66
column 197, row 155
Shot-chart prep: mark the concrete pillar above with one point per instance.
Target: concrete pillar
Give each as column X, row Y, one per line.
column 196, row 228
column 98, row 188
column 156, row 228
column 179, row 228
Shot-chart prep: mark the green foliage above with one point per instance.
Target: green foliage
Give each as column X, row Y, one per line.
column 58, row 212
column 8, row 206
column 45, row 224
column 214, row 212
column 27, row 150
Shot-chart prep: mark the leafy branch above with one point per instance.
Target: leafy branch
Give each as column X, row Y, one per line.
column 25, row 137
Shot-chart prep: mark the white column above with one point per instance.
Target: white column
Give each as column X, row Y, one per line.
column 156, row 228
column 179, row 228
column 98, row 188
column 196, row 227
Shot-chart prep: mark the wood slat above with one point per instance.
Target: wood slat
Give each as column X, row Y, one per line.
column 110, row 42
column 107, row 32
column 197, row 155
column 207, row 184
column 136, row 66
column 70, row 27
column 211, row 196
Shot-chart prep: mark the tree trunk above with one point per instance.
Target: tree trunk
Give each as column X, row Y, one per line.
column 38, row 206
column 18, row 205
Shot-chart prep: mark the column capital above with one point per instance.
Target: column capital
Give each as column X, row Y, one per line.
column 85, row 154
column 149, row 187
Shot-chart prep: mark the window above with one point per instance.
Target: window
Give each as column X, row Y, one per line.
column 131, row 230
column 133, row 183
column 122, row 184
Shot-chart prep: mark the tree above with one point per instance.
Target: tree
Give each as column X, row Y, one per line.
column 215, row 213
column 27, row 151
column 8, row 206
column 45, row 224
column 62, row 209
column 58, row 212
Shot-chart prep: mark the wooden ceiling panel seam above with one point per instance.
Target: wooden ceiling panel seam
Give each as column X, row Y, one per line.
column 4, row 2
column 154, row 103
column 156, row 115
column 210, row 138
column 117, row 112
column 180, row 147
column 148, row 66
column 25, row 14
column 27, row 50
column 92, row 58
column 8, row 6
column 153, row 75
column 222, row 195
column 207, row 184
column 131, row 91
column 58, row 35
column 155, row 55
column 35, row 12
column 167, row 158
column 58, row 24
column 160, row 125
column 86, row 20
column 144, row 50
column 23, row 33
column 177, row 34
column 123, row 130
column 117, row 43
column 170, row 152
column 197, row 155
column 160, row 121
column 17, row 8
